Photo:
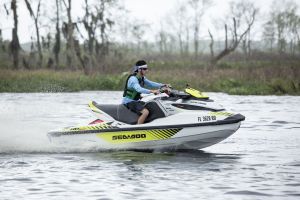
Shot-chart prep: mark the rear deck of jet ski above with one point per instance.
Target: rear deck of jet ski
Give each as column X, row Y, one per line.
column 121, row 113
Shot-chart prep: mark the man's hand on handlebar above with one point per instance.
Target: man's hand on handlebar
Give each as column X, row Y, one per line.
column 156, row 92
column 166, row 90
column 168, row 85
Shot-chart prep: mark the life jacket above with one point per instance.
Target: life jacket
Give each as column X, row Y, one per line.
column 131, row 93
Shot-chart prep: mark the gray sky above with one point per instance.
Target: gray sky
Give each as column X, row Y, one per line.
column 150, row 11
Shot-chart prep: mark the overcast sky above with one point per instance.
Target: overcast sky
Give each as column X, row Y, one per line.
column 150, row 11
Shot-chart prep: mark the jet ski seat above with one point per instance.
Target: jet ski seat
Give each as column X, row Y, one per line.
column 123, row 114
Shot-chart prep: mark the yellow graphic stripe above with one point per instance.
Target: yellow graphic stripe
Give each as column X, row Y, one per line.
column 221, row 114
column 94, row 108
column 195, row 93
column 90, row 127
column 121, row 137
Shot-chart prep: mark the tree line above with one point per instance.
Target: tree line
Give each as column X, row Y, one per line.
column 105, row 33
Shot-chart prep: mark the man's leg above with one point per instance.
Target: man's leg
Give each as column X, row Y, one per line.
column 142, row 118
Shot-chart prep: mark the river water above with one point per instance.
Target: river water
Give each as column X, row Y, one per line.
column 260, row 161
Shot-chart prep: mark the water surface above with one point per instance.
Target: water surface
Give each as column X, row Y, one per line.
column 260, row 161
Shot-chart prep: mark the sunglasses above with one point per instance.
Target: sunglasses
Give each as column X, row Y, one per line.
column 144, row 69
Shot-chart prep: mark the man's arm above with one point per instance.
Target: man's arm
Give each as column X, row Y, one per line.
column 152, row 84
column 134, row 84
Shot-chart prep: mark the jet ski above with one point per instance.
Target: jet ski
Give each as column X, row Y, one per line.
column 186, row 119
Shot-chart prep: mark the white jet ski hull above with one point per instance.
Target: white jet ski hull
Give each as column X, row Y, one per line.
column 166, row 139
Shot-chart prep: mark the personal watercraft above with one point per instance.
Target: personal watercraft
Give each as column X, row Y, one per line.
column 179, row 120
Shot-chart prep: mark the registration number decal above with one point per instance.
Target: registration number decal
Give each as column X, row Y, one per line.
column 207, row 118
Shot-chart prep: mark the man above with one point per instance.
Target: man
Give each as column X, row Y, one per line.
column 134, row 87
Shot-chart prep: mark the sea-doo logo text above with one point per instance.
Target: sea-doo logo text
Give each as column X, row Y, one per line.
column 125, row 137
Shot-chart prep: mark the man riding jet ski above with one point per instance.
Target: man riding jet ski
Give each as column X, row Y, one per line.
column 134, row 87
column 178, row 120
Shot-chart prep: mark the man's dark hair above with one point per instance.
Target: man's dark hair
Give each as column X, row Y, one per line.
column 140, row 63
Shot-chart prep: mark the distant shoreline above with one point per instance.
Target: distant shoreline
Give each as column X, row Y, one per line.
column 262, row 81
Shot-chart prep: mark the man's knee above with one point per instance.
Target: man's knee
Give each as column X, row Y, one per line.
column 145, row 111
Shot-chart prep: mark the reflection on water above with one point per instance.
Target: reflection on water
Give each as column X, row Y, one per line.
column 186, row 156
column 260, row 161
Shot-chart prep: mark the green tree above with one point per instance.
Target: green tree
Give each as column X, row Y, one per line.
column 283, row 26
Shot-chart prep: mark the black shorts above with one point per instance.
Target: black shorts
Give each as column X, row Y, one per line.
column 136, row 106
